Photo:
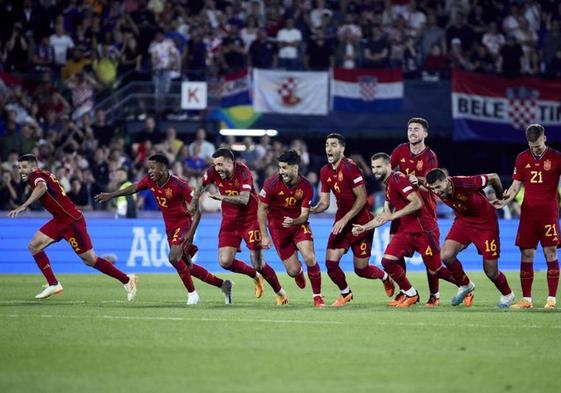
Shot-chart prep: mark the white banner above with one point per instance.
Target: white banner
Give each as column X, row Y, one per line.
column 298, row 92
column 193, row 95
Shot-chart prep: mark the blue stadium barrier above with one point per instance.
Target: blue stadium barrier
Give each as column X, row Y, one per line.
column 141, row 246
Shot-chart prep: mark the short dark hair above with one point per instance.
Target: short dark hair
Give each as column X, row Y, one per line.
column 291, row 157
column 421, row 121
column 435, row 175
column 159, row 158
column 29, row 158
column 380, row 155
column 339, row 137
column 224, row 152
column 534, row 131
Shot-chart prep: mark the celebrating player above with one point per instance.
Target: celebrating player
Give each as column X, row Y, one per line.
column 342, row 177
column 415, row 159
column 67, row 223
column 239, row 220
column 405, row 204
column 538, row 169
column 285, row 202
column 173, row 195
column 476, row 222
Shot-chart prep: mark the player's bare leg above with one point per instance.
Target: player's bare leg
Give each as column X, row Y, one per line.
column 38, row 243
column 364, row 269
column 294, row 269
column 306, row 248
column 332, row 258
column 449, row 254
column 106, row 267
column 269, row 275
column 227, row 259
column 491, row 269
column 551, row 258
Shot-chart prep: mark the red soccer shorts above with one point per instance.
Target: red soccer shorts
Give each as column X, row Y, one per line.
column 361, row 245
column 485, row 238
column 425, row 243
column 75, row 233
column 537, row 225
column 286, row 239
column 231, row 234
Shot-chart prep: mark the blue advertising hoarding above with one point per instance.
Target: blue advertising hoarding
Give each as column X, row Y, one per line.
column 141, row 246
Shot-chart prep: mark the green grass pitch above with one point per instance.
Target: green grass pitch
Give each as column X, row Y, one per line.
column 90, row 339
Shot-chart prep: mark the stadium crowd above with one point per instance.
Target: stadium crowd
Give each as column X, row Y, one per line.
column 57, row 57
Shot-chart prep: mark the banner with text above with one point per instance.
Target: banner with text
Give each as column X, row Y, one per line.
column 141, row 246
column 488, row 107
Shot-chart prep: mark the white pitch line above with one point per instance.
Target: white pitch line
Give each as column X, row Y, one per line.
column 284, row 321
column 126, row 317
column 38, row 301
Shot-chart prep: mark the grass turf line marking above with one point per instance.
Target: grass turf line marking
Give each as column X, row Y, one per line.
column 39, row 301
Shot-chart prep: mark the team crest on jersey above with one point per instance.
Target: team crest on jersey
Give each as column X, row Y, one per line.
column 547, row 165
column 299, row 194
column 340, row 176
column 420, row 165
column 169, row 193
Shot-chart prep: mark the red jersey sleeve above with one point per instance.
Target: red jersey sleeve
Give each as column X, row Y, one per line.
column 323, row 180
column 470, row 183
column 266, row 192
column 143, row 183
column 36, row 177
column 308, row 195
column 352, row 172
column 519, row 168
column 403, row 185
column 246, row 180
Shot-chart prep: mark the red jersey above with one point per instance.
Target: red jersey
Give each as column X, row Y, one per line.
column 241, row 180
column 419, row 165
column 341, row 181
column 173, row 198
column 469, row 202
column 398, row 188
column 285, row 201
column 54, row 200
column 540, row 177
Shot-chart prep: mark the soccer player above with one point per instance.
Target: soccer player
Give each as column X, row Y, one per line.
column 538, row 169
column 415, row 159
column 476, row 222
column 284, row 202
column 343, row 177
column 67, row 223
column 404, row 203
column 239, row 220
column 173, row 195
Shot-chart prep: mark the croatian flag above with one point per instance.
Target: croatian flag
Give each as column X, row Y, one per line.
column 362, row 90
column 235, row 89
column 489, row 107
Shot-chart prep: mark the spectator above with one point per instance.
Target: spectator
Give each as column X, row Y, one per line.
column 551, row 44
column 130, row 60
column 196, row 63
column 206, row 148
column 44, row 56
column 249, row 32
column 105, row 68
column 493, row 40
column 74, row 65
column 461, row 31
column 232, row 51
column 61, row 42
column 510, row 59
column 17, row 51
column 164, row 59
column 376, row 50
column 289, row 40
column 436, row 63
column 262, row 52
column 347, row 53
column 319, row 54
column 481, row 60
column 101, row 130
column 457, row 56
column 431, row 35
column 125, row 206
column 171, row 145
column 82, row 86
column 195, row 165
column 318, row 13
column 79, row 195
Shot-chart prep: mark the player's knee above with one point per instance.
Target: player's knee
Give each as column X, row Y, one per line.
column 491, row 271
column 88, row 260
column 225, row 261
column 528, row 254
column 292, row 271
column 309, row 260
column 174, row 259
column 550, row 253
column 34, row 247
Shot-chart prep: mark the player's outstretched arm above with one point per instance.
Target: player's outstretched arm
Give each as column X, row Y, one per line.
column 106, row 196
column 508, row 195
column 322, row 205
column 262, row 219
column 38, row 191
